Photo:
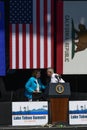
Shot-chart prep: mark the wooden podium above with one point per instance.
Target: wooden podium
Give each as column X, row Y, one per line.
column 59, row 98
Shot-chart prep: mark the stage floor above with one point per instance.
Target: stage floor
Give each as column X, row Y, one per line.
column 80, row 127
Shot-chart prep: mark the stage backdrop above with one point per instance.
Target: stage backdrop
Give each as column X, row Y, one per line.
column 2, row 41
column 71, row 37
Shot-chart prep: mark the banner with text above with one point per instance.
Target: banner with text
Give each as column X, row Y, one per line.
column 77, row 112
column 29, row 113
column 71, row 37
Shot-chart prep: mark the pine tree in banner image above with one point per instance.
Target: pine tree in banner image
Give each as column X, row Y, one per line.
column 2, row 41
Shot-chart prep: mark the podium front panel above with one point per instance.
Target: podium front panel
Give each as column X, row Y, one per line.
column 59, row 90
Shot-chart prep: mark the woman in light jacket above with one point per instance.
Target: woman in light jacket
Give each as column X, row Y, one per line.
column 33, row 85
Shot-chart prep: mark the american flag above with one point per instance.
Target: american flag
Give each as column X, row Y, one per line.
column 31, row 34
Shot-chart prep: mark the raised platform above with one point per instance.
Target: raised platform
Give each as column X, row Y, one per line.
column 6, row 121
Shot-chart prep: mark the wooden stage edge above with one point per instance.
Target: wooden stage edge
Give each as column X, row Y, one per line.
column 78, row 127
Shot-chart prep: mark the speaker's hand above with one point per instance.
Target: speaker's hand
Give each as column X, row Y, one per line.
column 35, row 91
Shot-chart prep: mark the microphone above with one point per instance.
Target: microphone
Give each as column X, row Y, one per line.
column 58, row 77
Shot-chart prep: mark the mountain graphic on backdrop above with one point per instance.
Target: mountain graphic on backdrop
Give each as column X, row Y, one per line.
column 78, row 111
column 31, row 112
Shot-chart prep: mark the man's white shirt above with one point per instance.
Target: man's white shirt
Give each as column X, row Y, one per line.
column 56, row 80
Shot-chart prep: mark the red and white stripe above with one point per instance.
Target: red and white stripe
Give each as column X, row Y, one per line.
column 59, row 37
column 32, row 45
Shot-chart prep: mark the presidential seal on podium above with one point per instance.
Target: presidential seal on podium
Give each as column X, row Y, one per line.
column 59, row 88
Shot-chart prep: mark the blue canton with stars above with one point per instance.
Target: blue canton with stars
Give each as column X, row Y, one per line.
column 20, row 11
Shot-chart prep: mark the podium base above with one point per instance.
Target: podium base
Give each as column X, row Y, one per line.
column 59, row 110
